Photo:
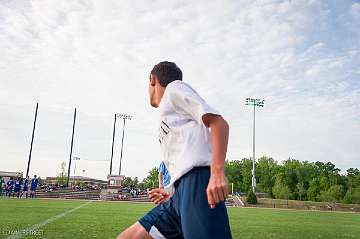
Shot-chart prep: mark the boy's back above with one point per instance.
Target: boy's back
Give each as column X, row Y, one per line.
column 184, row 139
column 193, row 204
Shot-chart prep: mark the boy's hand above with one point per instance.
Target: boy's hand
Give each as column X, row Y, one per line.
column 217, row 190
column 158, row 195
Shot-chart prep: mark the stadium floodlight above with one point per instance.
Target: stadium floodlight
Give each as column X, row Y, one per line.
column 32, row 140
column 255, row 103
column 71, row 149
column 125, row 117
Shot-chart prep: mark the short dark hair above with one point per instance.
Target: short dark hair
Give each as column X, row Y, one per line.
column 166, row 72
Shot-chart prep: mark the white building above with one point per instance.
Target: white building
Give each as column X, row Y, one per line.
column 7, row 175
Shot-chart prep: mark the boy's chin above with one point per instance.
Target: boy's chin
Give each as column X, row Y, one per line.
column 154, row 104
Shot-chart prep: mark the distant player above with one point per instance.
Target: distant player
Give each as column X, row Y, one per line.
column 34, row 184
column 1, row 186
column 6, row 189
column 25, row 187
column 10, row 187
column 17, row 187
column 192, row 205
column 164, row 177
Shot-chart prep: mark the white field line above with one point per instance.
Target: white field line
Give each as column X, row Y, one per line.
column 32, row 230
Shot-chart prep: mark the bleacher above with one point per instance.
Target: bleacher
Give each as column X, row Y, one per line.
column 229, row 202
column 128, row 197
column 96, row 195
column 70, row 194
column 144, row 198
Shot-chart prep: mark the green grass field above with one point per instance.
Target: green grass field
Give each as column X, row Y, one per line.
column 54, row 219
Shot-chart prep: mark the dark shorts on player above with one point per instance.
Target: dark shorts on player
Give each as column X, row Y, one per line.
column 187, row 214
column 17, row 190
column 33, row 189
column 25, row 189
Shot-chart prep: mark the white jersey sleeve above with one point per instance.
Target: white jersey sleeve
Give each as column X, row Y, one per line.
column 185, row 100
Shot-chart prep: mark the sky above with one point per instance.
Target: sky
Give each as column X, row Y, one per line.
column 301, row 56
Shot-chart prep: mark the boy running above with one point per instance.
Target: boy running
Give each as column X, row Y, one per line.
column 192, row 205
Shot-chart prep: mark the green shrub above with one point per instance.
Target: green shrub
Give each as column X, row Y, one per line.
column 280, row 189
column 251, row 198
column 356, row 195
column 333, row 194
column 348, row 197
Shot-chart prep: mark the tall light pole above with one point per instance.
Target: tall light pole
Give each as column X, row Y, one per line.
column 125, row 117
column 255, row 103
column 32, row 140
column 112, row 145
column 71, row 148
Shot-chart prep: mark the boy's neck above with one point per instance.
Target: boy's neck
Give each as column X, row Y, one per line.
column 160, row 94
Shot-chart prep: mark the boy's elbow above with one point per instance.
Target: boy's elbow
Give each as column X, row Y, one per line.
column 225, row 125
column 221, row 121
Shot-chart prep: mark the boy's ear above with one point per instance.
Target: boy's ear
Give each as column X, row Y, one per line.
column 153, row 79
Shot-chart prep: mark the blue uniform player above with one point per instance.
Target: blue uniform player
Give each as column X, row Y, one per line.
column 10, row 186
column 1, row 186
column 26, row 187
column 17, row 188
column 34, row 184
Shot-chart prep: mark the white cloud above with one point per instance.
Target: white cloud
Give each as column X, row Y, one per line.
column 355, row 10
column 301, row 56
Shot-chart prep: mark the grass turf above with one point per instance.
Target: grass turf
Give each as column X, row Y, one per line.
column 107, row 219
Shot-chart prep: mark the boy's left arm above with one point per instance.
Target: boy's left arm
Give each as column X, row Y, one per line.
column 217, row 190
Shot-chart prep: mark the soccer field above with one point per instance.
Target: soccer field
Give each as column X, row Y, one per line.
column 82, row 219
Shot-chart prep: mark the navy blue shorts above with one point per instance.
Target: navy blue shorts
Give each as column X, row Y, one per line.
column 17, row 190
column 187, row 214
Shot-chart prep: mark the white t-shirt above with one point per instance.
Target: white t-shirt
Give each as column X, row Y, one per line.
column 185, row 140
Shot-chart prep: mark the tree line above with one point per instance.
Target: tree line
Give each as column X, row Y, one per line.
column 151, row 181
column 291, row 179
column 297, row 180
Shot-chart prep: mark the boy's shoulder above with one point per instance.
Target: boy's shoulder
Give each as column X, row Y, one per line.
column 177, row 86
column 180, row 89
